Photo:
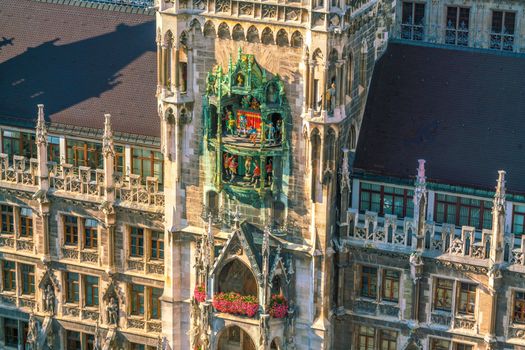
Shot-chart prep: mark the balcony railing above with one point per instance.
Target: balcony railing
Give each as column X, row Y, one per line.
column 458, row 36
column 82, row 180
column 19, row 171
column 439, row 238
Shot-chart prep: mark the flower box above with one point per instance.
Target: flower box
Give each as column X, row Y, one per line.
column 234, row 303
column 199, row 293
column 278, row 306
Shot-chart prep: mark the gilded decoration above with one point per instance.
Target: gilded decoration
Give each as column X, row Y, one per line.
column 246, row 116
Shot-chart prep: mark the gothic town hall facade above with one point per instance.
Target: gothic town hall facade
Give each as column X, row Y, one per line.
column 289, row 174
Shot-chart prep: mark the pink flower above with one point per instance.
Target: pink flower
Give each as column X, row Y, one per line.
column 199, row 293
column 278, row 306
column 234, row 303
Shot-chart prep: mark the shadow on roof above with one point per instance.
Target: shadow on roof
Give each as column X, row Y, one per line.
column 62, row 76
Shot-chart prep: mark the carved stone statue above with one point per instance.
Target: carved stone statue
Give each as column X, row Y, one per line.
column 32, row 334
column 112, row 310
column 98, row 341
column 49, row 299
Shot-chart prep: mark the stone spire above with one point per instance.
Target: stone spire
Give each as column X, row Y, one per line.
column 41, row 129
column 420, row 204
column 498, row 226
column 107, row 138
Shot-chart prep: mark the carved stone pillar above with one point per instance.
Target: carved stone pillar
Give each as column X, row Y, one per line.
column 311, row 83
column 159, row 66
column 189, row 71
column 306, row 103
column 339, row 84
column 164, row 65
column 108, row 151
column 43, row 175
column 175, row 62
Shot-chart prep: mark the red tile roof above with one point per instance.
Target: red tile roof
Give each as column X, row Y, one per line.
column 81, row 63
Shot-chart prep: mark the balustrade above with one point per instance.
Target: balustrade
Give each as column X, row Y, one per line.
column 19, row 171
column 444, row 238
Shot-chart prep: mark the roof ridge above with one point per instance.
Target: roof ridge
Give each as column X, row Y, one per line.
column 105, row 5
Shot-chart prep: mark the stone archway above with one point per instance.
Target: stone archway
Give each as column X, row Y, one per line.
column 235, row 338
column 235, row 276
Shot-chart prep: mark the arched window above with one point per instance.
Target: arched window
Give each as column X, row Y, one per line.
column 224, row 31
column 253, row 35
column 297, row 40
column 238, row 33
column 209, row 29
column 330, row 149
column 195, row 24
column 352, row 138
column 282, row 38
column 267, row 36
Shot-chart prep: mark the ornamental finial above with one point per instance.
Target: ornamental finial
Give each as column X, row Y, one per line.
column 41, row 130
column 499, row 197
column 107, row 138
column 421, row 178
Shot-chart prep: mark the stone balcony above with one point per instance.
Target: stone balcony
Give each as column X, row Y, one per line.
column 66, row 180
column 391, row 233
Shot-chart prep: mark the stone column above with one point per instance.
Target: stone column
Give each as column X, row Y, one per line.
column 189, row 74
column 313, row 98
column 496, row 258
column 175, row 62
column 108, row 150
column 338, row 83
column 43, row 175
column 159, row 66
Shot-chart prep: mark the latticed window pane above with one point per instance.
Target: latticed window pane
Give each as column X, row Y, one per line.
column 72, row 287
column 157, row 245
column 369, row 282
column 518, row 219
column 91, row 290
column 136, row 242
column 155, row 303
column 28, row 279
column 467, row 298
column 90, row 234
column 7, row 223
column 26, row 222
column 70, row 230
column 391, row 285
column 366, row 339
column 137, row 300
column 11, row 332
column 9, row 273
column 443, row 294
column 388, row 340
